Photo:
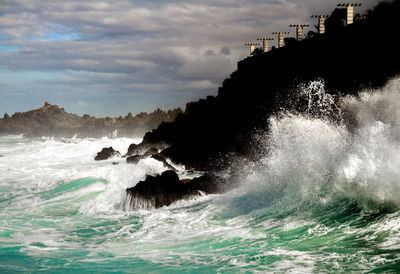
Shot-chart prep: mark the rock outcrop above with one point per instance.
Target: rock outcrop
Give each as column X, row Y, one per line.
column 165, row 189
column 132, row 149
column 161, row 159
column 51, row 120
column 152, row 152
column 209, row 184
column 213, row 130
column 106, row 153
column 134, row 159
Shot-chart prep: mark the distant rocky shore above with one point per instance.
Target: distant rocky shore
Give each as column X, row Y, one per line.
column 51, row 120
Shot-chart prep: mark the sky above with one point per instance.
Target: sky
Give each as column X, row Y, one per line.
column 111, row 57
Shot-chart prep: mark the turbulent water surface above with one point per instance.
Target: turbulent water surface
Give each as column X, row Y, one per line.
column 324, row 198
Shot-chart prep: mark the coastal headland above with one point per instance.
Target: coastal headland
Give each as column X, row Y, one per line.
column 348, row 59
column 53, row 121
column 214, row 132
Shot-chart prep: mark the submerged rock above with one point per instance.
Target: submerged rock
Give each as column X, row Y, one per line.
column 165, row 189
column 106, row 153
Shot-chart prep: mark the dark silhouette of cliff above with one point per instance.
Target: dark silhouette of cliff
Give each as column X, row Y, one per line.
column 349, row 59
column 51, row 120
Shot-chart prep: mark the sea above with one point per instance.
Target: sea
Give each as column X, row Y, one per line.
column 323, row 198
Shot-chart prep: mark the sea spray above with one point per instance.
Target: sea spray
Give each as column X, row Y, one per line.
column 311, row 160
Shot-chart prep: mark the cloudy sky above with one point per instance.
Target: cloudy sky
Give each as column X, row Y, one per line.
column 111, row 57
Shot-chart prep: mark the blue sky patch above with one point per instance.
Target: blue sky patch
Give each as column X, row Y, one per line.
column 55, row 36
column 7, row 48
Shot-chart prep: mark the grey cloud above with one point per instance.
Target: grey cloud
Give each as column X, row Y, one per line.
column 153, row 52
column 210, row 52
column 225, row 50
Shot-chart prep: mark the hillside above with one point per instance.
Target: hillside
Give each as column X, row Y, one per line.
column 51, row 120
column 350, row 59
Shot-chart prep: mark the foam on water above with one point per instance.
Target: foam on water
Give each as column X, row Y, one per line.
column 325, row 198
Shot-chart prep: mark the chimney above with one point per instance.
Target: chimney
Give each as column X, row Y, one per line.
column 252, row 47
column 265, row 43
column 321, row 23
column 280, row 38
column 299, row 30
column 350, row 11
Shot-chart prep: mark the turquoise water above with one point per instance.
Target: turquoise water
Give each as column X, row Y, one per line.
column 323, row 199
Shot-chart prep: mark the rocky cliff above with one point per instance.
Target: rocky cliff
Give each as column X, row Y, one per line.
column 347, row 59
column 51, row 120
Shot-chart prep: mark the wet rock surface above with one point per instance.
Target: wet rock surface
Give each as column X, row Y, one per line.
column 134, row 159
column 161, row 159
column 106, row 153
column 209, row 184
column 160, row 190
column 132, row 149
column 165, row 189
column 150, row 153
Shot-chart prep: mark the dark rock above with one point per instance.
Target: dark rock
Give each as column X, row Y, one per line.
column 134, row 159
column 165, row 189
column 151, row 152
column 158, row 157
column 106, row 153
column 115, row 163
column 158, row 191
column 6, row 116
column 132, row 149
column 209, row 184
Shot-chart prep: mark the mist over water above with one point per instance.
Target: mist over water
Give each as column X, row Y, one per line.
column 325, row 197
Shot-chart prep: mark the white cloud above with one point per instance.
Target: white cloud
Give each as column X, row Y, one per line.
column 203, row 84
column 81, row 104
